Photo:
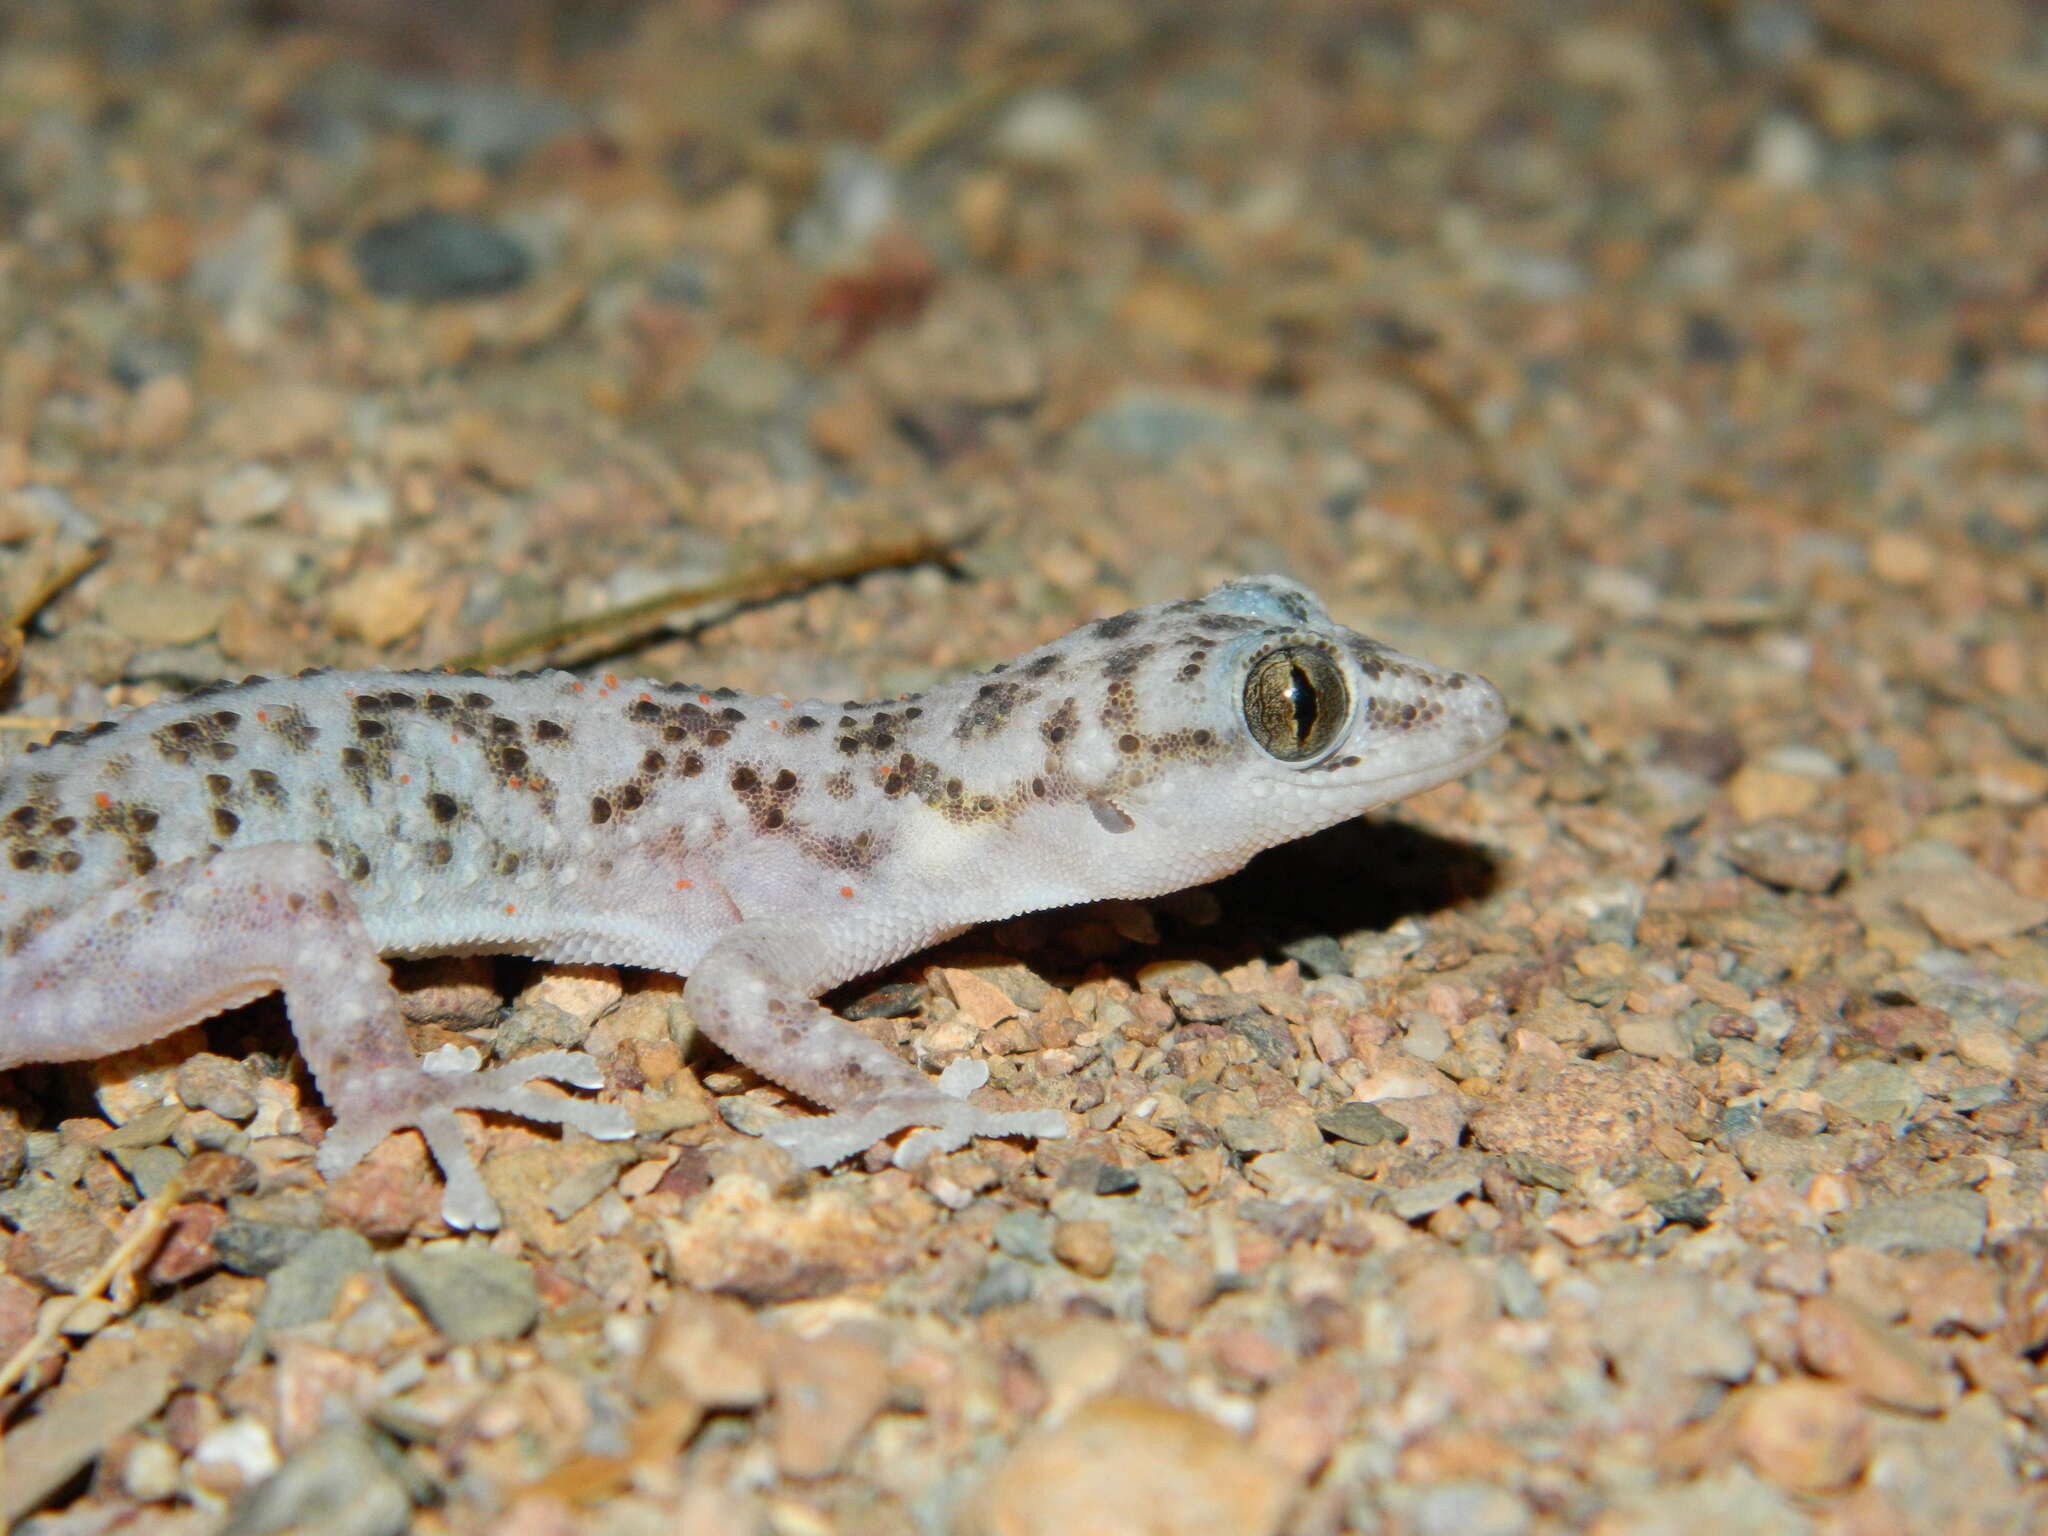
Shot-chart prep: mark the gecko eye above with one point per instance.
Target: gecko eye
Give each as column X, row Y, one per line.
column 1296, row 702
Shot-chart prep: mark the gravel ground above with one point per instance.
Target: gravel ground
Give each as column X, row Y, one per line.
column 1644, row 1135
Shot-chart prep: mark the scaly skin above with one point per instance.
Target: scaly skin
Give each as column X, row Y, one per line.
column 285, row 833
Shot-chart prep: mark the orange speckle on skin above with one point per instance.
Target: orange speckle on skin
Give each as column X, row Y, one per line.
column 510, row 909
column 703, row 698
column 102, row 799
column 262, row 714
column 646, row 698
column 683, row 885
column 774, row 725
column 515, row 783
column 611, row 680
column 405, row 778
column 846, row 891
column 575, row 687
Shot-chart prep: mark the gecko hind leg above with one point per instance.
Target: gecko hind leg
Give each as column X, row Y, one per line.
column 119, row 972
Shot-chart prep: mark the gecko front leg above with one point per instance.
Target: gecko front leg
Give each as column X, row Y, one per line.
column 118, row 972
column 754, row 994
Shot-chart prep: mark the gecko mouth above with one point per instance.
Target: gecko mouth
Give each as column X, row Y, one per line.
column 1486, row 731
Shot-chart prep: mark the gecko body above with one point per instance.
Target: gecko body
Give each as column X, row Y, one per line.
column 286, row 833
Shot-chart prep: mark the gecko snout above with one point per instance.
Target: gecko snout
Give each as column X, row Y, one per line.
column 1479, row 710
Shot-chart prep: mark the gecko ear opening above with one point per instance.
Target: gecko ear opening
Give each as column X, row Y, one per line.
column 1296, row 702
column 1110, row 817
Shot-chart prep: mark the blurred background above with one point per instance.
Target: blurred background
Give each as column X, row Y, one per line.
column 1681, row 366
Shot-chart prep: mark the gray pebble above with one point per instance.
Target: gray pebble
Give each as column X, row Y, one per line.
column 1318, row 955
column 1025, row 1235
column 431, row 255
column 1921, row 1223
column 1520, row 1295
column 1249, row 1135
column 258, row 1247
column 1005, row 1283
column 1432, row 1195
column 1363, row 1125
column 303, row 1288
column 339, row 1485
column 490, row 122
column 1871, row 1091
column 1782, row 852
column 1469, row 1509
column 207, row 1081
column 1157, row 428
column 469, row 1293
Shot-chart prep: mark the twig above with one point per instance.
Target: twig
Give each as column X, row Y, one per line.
column 145, row 1224
column 761, row 584
column 58, row 574
column 927, row 131
column 1978, row 86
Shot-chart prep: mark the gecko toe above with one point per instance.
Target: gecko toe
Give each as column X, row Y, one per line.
column 938, row 1123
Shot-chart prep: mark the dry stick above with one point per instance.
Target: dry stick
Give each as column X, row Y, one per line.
column 1981, row 88
column 925, row 133
column 146, row 1223
column 761, row 584
column 1450, row 409
column 58, row 576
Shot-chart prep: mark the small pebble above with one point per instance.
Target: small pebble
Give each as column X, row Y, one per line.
column 245, row 494
column 1086, row 1247
column 304, row 1287
column 1364, row 1125
column 1840, row 1342
column 160, row 413
column 1872, row 1091
column 1922, row 1223
column 1129, row 1464
column 162, row 612
column 346, row 512
column 827, row 1391
column 1432, row 1195
column 381, row 605
column 216, row 1083
column 1966, row 906
column 339, row 1485
column 1802, row 1435
column 1784, row 853
column 469, row 1293
column 431, row 255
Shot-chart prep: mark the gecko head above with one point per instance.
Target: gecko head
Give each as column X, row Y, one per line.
column 1329, row 712
column 1302, row 723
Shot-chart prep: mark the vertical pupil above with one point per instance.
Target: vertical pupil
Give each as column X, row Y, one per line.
column 1301, row 696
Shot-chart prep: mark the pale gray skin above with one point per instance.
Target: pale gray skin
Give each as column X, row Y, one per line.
column 283, row 834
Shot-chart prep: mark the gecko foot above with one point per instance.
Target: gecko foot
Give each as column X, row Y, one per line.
column 943, row 1118
column 426, row 1100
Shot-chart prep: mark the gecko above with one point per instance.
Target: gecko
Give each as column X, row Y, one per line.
column 287, row 834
